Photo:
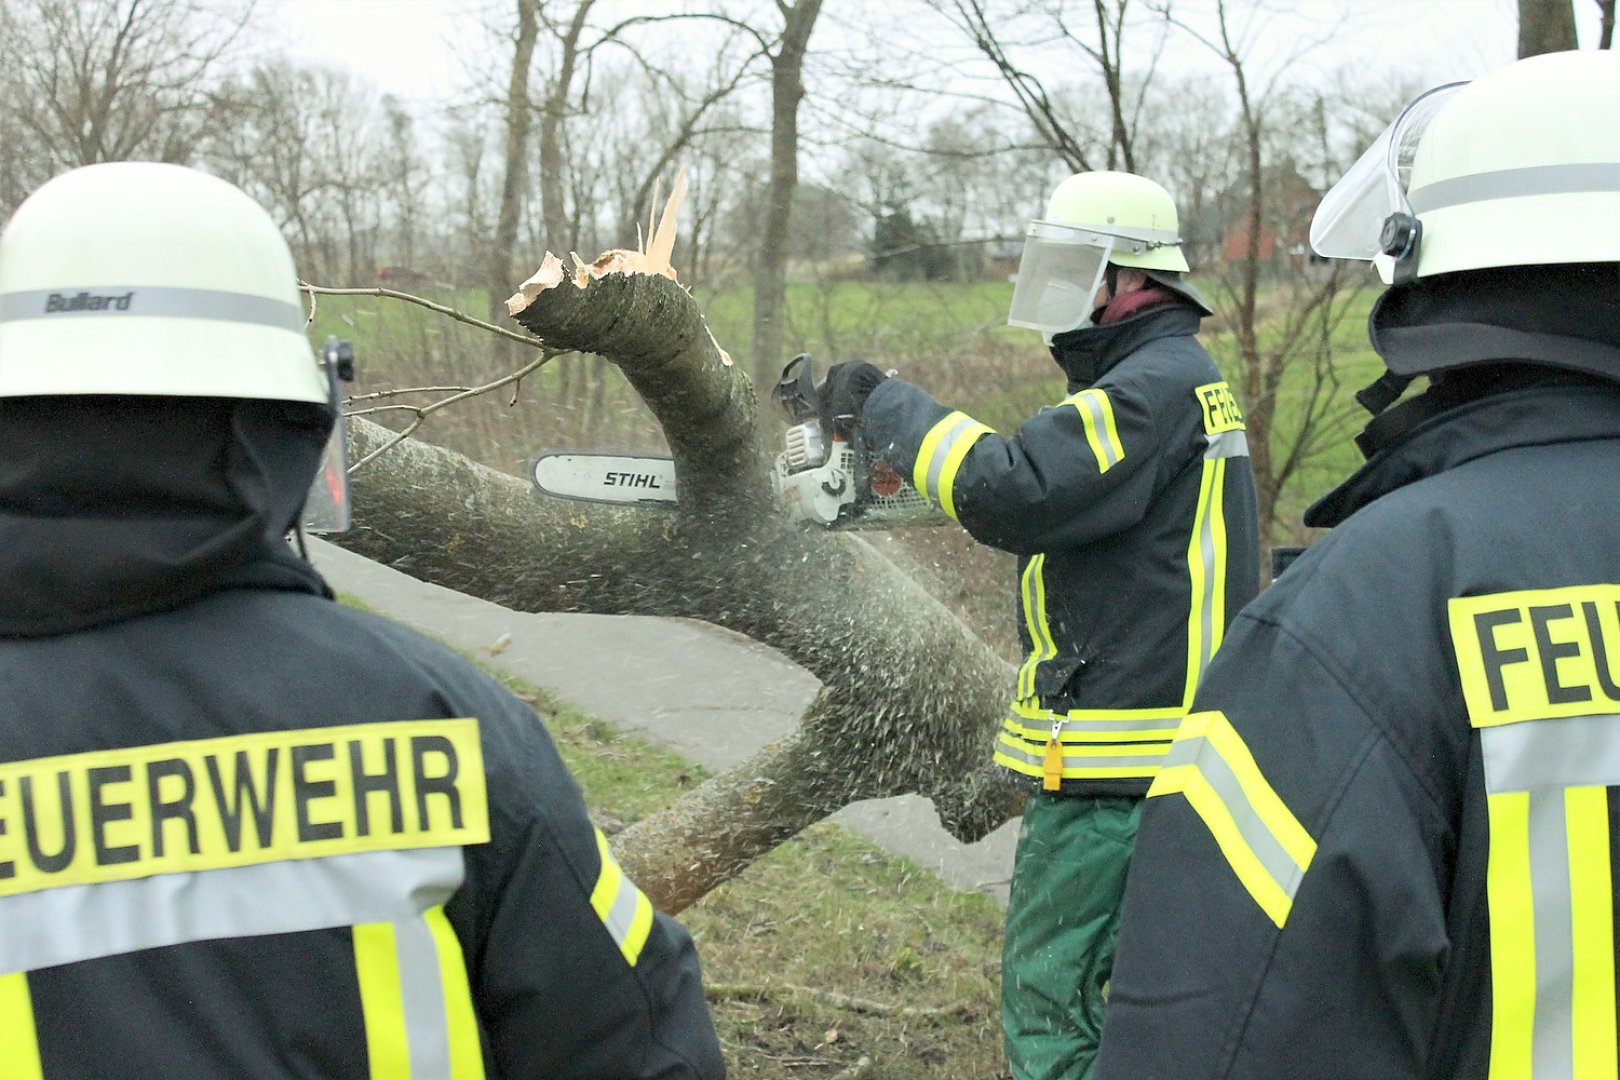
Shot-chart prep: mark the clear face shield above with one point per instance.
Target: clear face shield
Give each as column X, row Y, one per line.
column 1366, row 215
column 1058, row 275
column 326, row 507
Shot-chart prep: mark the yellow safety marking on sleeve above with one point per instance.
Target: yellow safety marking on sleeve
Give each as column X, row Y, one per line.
column 207, row 804
column 1513, row 936
column 954, row 456
column 1097, row 417
column 925, row 454
column 1191, row 783
column 461, row 1023
column 1538, row 654
column 1591, row 891
column 1283, row 825
column 1042, row 645
column 1242, row 819
column 1219, row 407
column 382, row 1004
column 623, row 908
column 19, row 1041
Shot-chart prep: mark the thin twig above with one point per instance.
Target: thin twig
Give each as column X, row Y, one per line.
column 372, row 410
column 376, row 394
column 459, row 316
column 422, row 412
column 427, row 410
column 766, row 991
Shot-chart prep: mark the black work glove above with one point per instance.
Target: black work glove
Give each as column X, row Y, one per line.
column 844, row 393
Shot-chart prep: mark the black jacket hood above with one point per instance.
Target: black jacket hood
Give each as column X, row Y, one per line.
column 112, row 507
column 1564, row 317
column 1089, row 353
column 1555, row 411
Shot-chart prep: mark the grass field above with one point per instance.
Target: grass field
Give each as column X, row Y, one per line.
column 826, row 952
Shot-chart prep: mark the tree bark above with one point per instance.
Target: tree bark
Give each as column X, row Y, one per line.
column 770, row 274
column 1546, row 26
column 553, row 205
column 499, row 273
column 910, row 698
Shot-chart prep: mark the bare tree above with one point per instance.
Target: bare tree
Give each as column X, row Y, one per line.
column 770, row 274
column 1012, row 33
column 554, row 108
column 514, row 176
column 1294, row 338
column 110, row 81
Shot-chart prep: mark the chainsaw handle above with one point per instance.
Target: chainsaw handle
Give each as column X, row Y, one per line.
column 795, row 392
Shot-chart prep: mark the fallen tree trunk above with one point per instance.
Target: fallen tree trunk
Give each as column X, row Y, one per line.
column 910, row 697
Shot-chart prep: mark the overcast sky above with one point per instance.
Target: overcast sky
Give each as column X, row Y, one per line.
column 410, row 47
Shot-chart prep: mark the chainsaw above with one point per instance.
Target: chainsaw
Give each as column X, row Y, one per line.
column 821, row 478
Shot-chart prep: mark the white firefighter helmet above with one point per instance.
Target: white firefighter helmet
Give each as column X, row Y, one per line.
column 142, row 279
column 146, row 279
column 1093, row 219
column 1518, row 168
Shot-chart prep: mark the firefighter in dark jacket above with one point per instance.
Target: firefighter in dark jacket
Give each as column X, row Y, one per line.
column 1131, row 507
column 1384, row 843
column 245, row 831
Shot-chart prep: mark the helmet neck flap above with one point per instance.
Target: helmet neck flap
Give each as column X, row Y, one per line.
column 150, row 504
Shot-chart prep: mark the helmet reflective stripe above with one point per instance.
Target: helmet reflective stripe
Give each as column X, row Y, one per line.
column 1518, row 168
column 131, row 301
column 1512, row 183
column 139, row 278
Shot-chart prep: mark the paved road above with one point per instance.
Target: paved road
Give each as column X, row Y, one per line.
column 712, row 696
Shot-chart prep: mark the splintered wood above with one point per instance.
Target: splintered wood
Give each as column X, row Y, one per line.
column 652, row 257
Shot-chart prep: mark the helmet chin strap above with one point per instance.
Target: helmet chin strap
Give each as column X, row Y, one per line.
column 1380, row 395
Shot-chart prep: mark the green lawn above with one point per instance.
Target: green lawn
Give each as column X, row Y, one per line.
column 828, row 950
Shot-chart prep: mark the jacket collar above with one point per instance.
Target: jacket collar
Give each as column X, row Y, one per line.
column 1534, row 416
column 1089, row 353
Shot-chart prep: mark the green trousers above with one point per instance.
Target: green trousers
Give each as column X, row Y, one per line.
column 1062, row 921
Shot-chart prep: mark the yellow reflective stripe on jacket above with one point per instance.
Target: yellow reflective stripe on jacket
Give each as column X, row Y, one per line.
column 623, row 908
column 1138, row 761
column 1206, row 570
column 19, row 1044
column 1094, row 744
column 1028, row 721
column 460, row 1018
column 416, row 1001
column 940, row 457
column 1265, row 845
column 1097, row 417
column 1043, row 648
column 1550, row 888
